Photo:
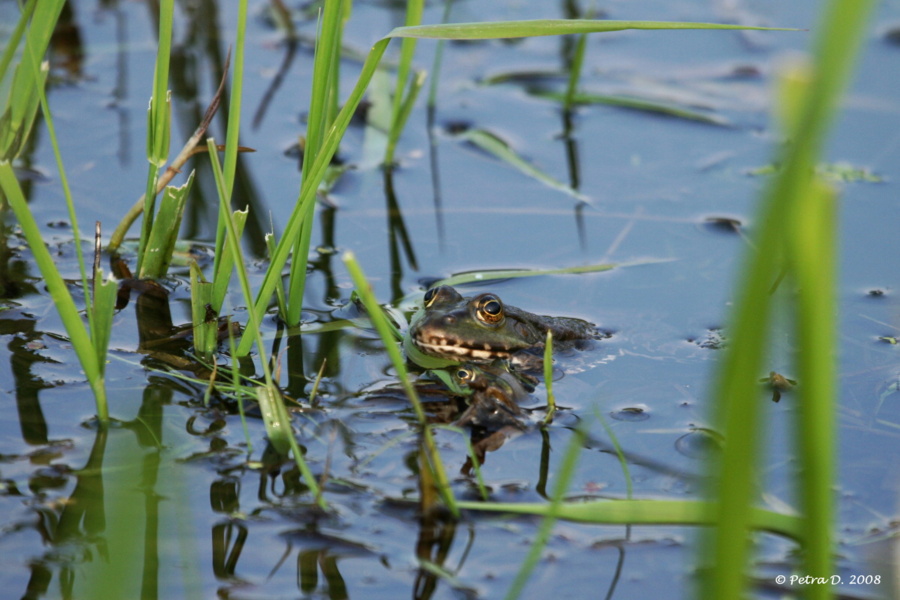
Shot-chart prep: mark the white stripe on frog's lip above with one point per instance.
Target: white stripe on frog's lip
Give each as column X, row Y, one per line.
column 442, row 348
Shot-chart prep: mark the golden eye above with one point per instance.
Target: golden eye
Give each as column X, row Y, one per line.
column 491, row 309
column 464, row 375
column 429, row 296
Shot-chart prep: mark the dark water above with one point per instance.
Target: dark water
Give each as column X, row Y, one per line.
column 173, row 502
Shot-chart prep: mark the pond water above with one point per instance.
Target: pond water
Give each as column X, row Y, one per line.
column 173, row 502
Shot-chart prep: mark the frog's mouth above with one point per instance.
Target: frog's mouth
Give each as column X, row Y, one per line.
column 436, row 345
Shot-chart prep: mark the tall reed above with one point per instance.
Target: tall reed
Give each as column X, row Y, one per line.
column 26, row 94
column 796, row 234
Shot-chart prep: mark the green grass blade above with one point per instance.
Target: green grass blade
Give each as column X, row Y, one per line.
column 438, row 59
column 548, row 378
column 158, row 133
column 623, row 460
column 271, row 392
column 232, row 140
column 40, row 74
column 470, row 449
column 307, row 194
column 99, row 309
column 158, row 123
column 415, row 85
column 738, row 404
column 278, row 429
column 222, row 274
column 324, row 89
column 814, row 263
column 101, row 325
column 164, row 232
column 62, row 299
column 20, row 106
column 15, row 37
column 553, row 510
column 380, row 322
column 225, row 265
column 402, row 101
column 205, row 325
column 376, row 314
column 280, row 296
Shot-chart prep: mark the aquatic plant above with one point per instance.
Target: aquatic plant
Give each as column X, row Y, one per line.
column 796, row 238
column 19, row 108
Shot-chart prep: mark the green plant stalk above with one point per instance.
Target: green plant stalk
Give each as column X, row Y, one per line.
column 414, row 10
column 104, row 308
column 62, row 299
column 736, row 391
column 34, row 63
column 158, row 122
column 470, row 451
column 160, row 244
column 205, row 329
column 148, row 212
column 376, row 315
column 400, row 119
column 225, row 265
column 16, row 36
column 814, row 266
column 280, row 297
column 553, row 510
column 438, row 59
column 548, row 378
column 623, row 461
column 575, row 73
column 271, row 390
column 307, row 196
column 101, row 306
column 222, row 273
column 19, row 108
column 324, row 85
column 316, row 172
column 239, row 390
column 234, row 107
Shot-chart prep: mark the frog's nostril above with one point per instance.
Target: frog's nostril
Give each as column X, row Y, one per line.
column 449, row 320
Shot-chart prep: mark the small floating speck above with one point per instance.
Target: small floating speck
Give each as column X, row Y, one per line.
column 631, row 413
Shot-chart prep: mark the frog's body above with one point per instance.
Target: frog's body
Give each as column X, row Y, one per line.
column 496, row 392
column 482, row 329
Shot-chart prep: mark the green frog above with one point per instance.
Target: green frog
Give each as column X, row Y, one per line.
column 450, row 329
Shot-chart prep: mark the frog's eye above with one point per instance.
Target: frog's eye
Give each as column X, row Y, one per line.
column 464, row 375
column 429, row 296
column 491, row 309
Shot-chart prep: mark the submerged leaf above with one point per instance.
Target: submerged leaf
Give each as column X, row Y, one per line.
column 542, row 27
column 635, row 103
column 497, row 147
